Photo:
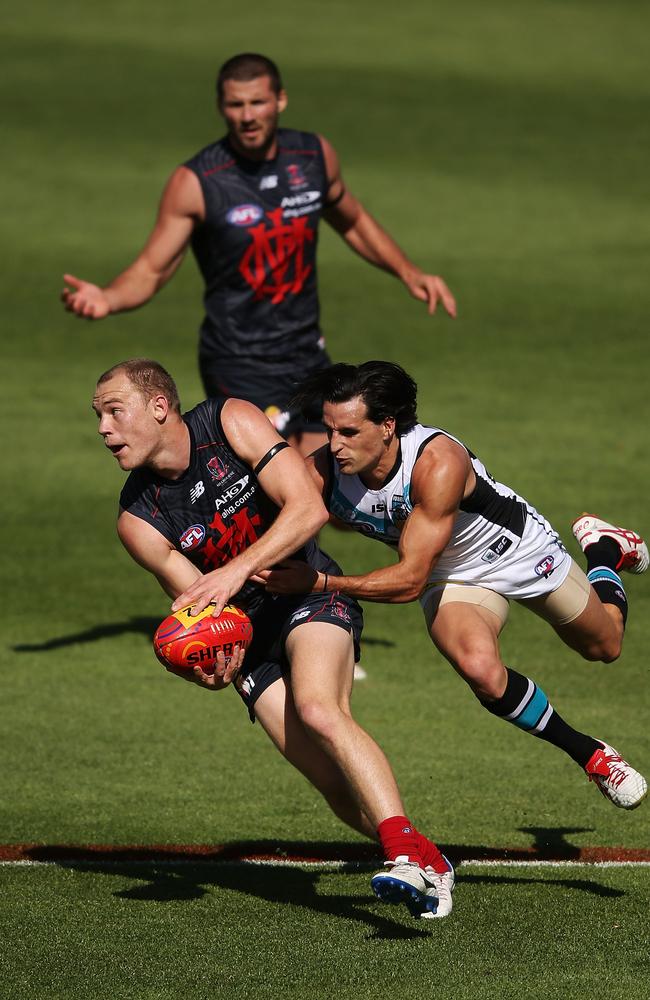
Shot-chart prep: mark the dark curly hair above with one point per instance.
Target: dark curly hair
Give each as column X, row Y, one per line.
column 386, row 389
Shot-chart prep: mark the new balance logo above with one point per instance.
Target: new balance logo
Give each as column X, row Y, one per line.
column 197, row 490
column 269, row 182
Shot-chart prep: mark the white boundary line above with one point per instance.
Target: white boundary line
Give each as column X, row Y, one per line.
column 284, row 863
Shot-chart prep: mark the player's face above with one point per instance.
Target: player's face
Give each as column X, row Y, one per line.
column 358, row 445
column 251, row 110
column 127, row 422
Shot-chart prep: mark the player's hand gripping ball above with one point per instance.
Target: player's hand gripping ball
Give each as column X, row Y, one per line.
column 183, row 641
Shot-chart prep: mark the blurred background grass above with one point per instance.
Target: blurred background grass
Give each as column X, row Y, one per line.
column 506, row 147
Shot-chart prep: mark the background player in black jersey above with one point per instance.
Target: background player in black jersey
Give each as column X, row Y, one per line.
column 222, row 471
column 466, row 545
column 249, row 206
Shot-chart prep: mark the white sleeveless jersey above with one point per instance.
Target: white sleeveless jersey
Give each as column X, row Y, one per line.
column 495, row 528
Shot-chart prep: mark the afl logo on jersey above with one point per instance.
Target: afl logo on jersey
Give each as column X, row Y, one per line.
column 217, row 468
column 192, row 537
column 244, row 215
column 545, row 566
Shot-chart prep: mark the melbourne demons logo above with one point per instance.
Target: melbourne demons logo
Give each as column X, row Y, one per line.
column 274, row 263
column 217, row 468
column 296, row 177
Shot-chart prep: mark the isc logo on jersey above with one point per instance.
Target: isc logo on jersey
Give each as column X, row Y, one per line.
column 244, row 215
column 192, row 537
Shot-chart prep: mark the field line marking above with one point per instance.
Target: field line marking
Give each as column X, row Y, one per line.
column 289, row 863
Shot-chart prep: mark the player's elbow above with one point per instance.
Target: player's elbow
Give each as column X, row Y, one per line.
column 410, row 589
column 321, row 517
column 313, row 519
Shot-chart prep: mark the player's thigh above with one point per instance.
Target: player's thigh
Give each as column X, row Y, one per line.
column 321, row 655
column 576, row 613
column 276, row 712
column 467, row 634
column 594, row 634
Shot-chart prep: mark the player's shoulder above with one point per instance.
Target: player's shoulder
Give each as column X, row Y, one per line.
column 426, row 440
column 139, row 484
column 291, row 140
column 436, row 455
column 202, row 416
column 211, row 159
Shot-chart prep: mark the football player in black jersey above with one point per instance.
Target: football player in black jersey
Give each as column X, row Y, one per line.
column 249, row 206
column 213, row 497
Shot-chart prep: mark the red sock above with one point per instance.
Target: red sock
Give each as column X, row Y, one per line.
column 400, row 839
column 430, row 854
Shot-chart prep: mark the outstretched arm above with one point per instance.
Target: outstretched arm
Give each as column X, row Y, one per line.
column 181, row 207
column 363, row 234
column 440, row 480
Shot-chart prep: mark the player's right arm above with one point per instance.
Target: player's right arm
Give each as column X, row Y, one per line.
column 441, row 477
column 175, row 574
column 155, row 553
column 181, row 208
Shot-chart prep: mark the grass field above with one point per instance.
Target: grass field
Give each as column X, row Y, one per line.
column 506, row 147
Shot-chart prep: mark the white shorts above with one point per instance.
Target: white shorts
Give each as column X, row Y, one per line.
column 559, row 607
column 503, row 564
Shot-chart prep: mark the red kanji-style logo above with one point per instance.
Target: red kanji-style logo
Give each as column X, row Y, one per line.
column 232, row 540
column 267, row 263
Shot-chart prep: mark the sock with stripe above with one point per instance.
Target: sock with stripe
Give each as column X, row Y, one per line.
column 525, row 705
column 399, row 838
column 603, row 559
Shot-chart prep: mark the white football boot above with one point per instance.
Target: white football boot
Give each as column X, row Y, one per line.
column 423, row 891
column 634, row 552
column 616, row 779
column 439, row 895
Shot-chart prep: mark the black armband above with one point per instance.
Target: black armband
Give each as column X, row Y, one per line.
column 271, row 453
column 335, row 201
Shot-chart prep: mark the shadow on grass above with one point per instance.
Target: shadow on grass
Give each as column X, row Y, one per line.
column 164, row 882
column 138, row 626
column 177, row 873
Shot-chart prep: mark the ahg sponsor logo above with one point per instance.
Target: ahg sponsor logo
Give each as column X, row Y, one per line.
column 304, row 198
column 232, row 492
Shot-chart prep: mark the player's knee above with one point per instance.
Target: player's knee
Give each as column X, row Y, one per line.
column 320, row 719
column 484, row 672
column 605, row 650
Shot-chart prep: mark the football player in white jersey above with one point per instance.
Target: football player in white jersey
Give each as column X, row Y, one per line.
column 466, row 546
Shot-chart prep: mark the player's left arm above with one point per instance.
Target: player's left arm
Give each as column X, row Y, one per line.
column 362, row 233
column 283, row 476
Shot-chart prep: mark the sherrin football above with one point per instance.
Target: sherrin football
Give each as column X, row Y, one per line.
column 182, row 640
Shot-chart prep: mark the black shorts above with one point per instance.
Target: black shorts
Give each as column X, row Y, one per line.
column 267, row 388
column 266, row 660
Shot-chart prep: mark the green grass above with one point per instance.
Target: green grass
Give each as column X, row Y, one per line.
column 505, row 146
column 225, row 931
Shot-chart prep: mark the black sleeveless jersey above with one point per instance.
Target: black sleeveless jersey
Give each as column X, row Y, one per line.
column 216, row 509
column 256, row 251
